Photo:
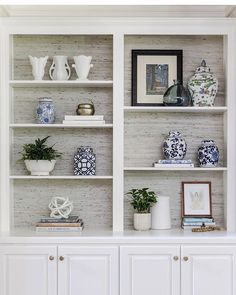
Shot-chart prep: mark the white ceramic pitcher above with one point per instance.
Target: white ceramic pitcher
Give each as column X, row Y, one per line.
column 60, row 69
column 82, row 66
column 38, row 65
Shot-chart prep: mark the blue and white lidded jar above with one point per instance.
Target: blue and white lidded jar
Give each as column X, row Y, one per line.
column 45, row 111
column 208, row 154
column 84, row 161
column 174, row 146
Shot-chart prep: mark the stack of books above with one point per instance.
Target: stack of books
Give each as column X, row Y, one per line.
column 83, row 120
column 173, row 164
column 195, row 222
column 70, row 224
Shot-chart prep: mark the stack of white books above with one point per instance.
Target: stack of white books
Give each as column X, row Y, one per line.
column 83, row 120
column 173, row 164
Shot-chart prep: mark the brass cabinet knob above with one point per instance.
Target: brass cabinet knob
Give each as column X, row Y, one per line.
column 185, row 258
column 61, row 258
column 176, row 258
column 51, row 258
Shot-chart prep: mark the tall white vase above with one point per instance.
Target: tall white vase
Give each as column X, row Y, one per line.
column 38, row 65
column 161, row 213
column 60, row 69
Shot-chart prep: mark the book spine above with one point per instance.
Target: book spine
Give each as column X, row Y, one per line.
column 198, row 220
column 59, row 229
column 156, row 165
column 76, row 224
column 175, row 161
column 84, row 118
column 83, row 122
column 199, row 224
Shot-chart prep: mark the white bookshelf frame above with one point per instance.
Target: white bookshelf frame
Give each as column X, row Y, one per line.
column 118, row 28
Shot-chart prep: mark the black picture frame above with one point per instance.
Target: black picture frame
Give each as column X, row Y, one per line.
column 150, row 52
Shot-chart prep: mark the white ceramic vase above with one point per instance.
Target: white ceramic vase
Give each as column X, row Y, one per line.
column 40, row 167
column 38, row 64
column 142, row 221
column 60, row 69
column 161, row 213
column 82, row 66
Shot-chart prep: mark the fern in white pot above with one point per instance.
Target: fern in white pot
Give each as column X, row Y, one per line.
column 39, row 158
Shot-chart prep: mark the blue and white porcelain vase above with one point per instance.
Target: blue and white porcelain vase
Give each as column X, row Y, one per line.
column 45, row 111
column 208, row 154
column 84, row 161
column 174, row 146
column 203, row 86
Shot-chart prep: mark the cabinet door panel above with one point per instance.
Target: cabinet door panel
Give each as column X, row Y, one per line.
column 27, row 270
column 209, row 270
column 88, row 270
column 150, row 270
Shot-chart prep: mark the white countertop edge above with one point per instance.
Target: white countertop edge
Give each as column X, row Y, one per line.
column 174, row 236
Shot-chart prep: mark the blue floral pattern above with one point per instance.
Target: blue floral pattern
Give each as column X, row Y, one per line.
column 208, row 154
column 45, row 111
column 174, row 146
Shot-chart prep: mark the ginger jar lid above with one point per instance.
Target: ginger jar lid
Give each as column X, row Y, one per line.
column 175, row 134
column 203, row 68
column 208, row 142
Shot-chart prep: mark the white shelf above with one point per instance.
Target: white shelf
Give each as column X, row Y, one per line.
column 174, row 169
column 61, row 177
column 176, row 109
column 70, row 83
column 58, row 126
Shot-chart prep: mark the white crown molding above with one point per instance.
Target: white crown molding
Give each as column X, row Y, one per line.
column 117, row 10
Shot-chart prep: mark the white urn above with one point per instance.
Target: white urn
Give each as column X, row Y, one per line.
column 161, row 213
column 60, row 69
column 40, row 167
column 82, row 66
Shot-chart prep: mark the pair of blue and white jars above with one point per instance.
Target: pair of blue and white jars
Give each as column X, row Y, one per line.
column 175, row 148
column 45, row 111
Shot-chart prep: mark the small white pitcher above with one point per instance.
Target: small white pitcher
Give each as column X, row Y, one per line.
column 38, row 65
column 60, row 69
column 82, row 66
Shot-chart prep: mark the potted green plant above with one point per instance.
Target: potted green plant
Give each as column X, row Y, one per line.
column 39, row 158
column 142, row 200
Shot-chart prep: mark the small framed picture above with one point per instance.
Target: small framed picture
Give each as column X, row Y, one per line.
column 196, row 199
column 153, row 72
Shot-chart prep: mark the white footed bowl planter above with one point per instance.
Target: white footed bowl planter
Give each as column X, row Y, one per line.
column 161, row 213
column 142, row 221
column 40, row 167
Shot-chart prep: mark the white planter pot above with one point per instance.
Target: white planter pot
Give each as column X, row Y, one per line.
column 161, row 213
column 142, row 221
column 40, row 167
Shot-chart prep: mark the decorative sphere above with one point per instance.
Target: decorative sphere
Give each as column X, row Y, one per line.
column 60, row 207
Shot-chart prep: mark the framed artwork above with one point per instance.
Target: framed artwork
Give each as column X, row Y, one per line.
column 153, row 71
column 196, row 200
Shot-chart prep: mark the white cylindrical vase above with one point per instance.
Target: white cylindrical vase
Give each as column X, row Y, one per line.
column 161, row 213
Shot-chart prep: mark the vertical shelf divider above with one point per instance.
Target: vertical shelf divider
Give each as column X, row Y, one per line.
column 118, row 132
column 5, row 204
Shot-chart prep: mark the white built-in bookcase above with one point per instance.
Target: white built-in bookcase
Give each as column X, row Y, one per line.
column 131, row 140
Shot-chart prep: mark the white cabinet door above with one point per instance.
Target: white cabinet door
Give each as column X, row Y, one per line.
column 88, row 270
column 150, row 270
column 27, row 270
column 209, row 270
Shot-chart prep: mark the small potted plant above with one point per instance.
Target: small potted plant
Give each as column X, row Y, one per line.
column 142, row 200
column 39, row 158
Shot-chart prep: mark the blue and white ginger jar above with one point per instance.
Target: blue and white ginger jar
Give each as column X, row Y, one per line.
column 84, row 161
column 203, row 86
column 174, row 146
column 45, row 111
column 208, row 154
